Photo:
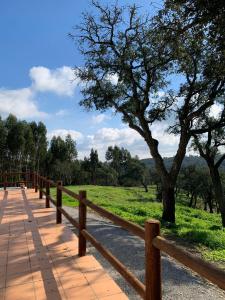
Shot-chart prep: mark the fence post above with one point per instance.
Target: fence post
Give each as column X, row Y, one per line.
column 152, row 262
column 5, row 180
column 47, row 205
column 33, row 179
column 82, row 223
column 26, row 179
column 40, row 188
column 58, row 203
column 36, row 181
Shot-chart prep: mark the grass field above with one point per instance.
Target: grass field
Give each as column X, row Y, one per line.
column 194, row 227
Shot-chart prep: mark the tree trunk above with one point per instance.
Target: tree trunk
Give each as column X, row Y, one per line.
column 218, row 191
column 145, row 186
column 196, row 198
column 159, row 193
column 209, row 201
column 168, row 198
column 205, row 205
column 168, row 178
column 191, row 200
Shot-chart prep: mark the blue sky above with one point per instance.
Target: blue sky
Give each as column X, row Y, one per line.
column 36, row 57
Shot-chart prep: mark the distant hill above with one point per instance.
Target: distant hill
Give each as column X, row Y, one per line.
column 188, row 161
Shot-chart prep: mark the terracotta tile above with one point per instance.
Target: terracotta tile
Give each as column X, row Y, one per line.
column 15, row 246
column 20, row 278
column 27, row 290
column 63, row 256
column 3, row 260
column 18, row 259
column 73, row 281
column 66, row 269
column 80, row 292
column 2, row 293
column 107, row 289
column 2, row 281
column 3, row 270
column 49, row 289
column 95, row 276
column 88, row 263
column 17, row 252
column 51, row 251
column 115, row 297
column 4, row 253
column 18, row 268
column 45, row 274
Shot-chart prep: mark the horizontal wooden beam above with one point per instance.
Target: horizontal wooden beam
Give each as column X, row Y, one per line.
column 133, row 228
column 203, row 268
column 68, row 217
column 69, row 192
column 135, row 283
column 53, row 201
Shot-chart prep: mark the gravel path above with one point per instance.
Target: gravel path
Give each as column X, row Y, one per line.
column 178, row 282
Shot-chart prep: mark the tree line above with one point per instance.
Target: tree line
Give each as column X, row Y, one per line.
column 24, row 147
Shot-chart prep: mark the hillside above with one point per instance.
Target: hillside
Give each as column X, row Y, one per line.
column 188, row 161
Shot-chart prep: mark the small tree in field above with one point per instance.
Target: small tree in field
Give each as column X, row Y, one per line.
column 129, row 62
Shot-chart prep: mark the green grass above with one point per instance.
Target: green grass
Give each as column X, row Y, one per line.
column 194, row 227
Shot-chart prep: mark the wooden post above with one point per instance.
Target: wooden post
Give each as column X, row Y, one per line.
column 82, row 223
column 47, row 204
column 33, row 180
column 26, row 179
column 36, row 181
column 152, row 262
column 40, row 188
column 58, row 203
column 5, row 180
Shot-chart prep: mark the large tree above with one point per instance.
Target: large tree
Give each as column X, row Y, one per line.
column 129, row 63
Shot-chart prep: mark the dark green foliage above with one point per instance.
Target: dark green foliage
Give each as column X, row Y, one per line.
column 23, row 145
column 61, row 159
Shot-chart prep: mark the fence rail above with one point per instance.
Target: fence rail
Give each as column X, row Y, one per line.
column 16, row 179
column 154, row 243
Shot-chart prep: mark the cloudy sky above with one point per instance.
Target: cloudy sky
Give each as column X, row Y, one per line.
column 37, row 82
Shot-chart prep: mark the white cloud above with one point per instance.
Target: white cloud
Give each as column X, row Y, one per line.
column 60, row 81
column 19, row 102
column 116, row 136
column 159, row 132
column 76, row 135
column 129, row 139
column 122, row 137
column 113, row 78
column 100, row 118
column 62, row 113
column 215, row 110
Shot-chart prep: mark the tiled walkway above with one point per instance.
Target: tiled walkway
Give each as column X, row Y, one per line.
column 38, row 259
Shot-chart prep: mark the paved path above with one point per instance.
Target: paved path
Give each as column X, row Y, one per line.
column 178, row 282
column 38, row 259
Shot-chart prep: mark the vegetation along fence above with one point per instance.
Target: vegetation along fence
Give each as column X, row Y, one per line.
column 154, row 243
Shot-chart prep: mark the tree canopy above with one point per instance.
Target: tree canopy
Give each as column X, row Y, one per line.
column 130, row 61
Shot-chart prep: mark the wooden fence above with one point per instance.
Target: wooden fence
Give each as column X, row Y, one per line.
column 154, row 243
column 15, row 179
